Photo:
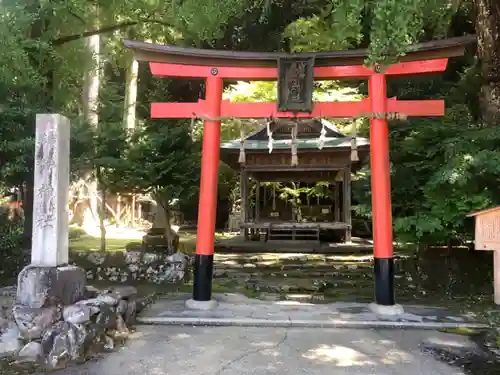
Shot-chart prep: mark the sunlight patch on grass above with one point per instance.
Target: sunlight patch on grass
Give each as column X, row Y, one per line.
column 89, row 243
column 187, row 240
column 81, row 242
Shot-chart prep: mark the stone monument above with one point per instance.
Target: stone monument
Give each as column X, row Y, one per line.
column 49, row 278
column 58, row 317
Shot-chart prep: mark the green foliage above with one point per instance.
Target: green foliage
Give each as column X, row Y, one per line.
column 386, row 27
column 11, row 230
column 203, row 21
column 164, row 160
column 10, row 226
column 441, row 168
column 75, row 233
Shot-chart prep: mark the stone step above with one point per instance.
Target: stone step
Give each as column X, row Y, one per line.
column 311, row 260
column 294, row 285
column 296, row 265
column 279, row 262
column 338, row 290
column 301, row 273
column 305, row 266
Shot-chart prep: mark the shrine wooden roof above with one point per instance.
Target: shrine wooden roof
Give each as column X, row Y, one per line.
column 308, row 137
column 334, row 155
column 208, row 57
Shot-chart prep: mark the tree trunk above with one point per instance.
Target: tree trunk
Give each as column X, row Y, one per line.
column 131, row 95
column 28, row 212
column 118, row 210
column 102, row 217
column 170, row 236
column 133, row 210
column 91, row 107
column 488, row 51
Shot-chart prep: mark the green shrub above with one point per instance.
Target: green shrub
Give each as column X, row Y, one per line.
column 13, row 256
column 75, row 233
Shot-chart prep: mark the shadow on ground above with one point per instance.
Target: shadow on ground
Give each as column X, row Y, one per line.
column 241, row 351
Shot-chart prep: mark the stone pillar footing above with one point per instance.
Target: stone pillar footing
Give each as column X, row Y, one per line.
column 39, row 287
column 201, row 305
column 389, row 310
column 61, row 320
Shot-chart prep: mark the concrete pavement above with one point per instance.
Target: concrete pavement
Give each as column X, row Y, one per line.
column 177, row 350
column 235, row 309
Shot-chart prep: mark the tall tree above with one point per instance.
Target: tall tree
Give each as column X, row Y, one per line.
column 487, row 23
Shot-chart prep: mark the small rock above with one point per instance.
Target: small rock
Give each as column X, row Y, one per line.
column 132, row 257
column 149, row 258
column 94, row 304
column 77, row 314
column 108, row 299
column 121, row 332
column 33, row 321
column 109, row 343
column 96, row 258
column 9, row 341
column 106, row 319
column 90, row 341
column 4, row 323
column 64, row 342
column 124, row 292
column 59, row 355
column 173, row 274
column 177, row 257
column 131, row 313
column 133, row 268
column 122, row 307
column 30, row 352
column 91, row 292
column 90, row 302
column 49, row 335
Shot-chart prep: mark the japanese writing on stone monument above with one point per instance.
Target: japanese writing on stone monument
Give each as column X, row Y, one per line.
column 45, row 206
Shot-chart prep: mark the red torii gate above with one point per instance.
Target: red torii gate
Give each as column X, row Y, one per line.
column 215, row 66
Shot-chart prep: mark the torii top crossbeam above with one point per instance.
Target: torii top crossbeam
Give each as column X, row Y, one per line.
column 208, row 57
column 171, row 61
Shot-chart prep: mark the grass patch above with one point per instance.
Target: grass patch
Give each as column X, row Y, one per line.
column 79, row 241
column 187, row 241
column 88, row 243
column 463, row 331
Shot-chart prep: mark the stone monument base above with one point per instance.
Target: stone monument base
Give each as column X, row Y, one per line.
column 39, row 287
column 61, row 320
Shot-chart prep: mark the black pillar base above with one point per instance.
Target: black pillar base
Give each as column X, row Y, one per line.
column 202, row 283
column 384, row 281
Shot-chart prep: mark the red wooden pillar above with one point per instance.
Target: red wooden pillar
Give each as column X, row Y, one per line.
column 203, row 264
column 381, row 192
